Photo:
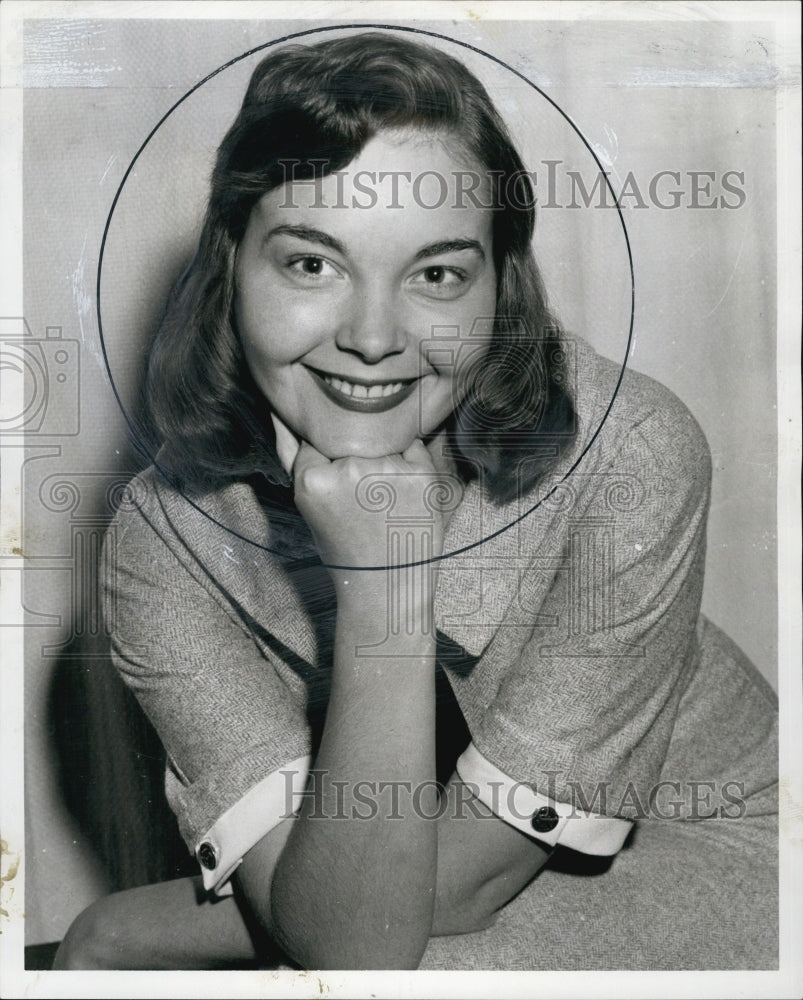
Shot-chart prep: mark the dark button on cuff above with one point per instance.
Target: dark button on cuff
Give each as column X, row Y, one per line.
column 208, row 856
column 544, row 820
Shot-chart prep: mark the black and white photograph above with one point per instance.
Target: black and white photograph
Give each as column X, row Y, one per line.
column 401, row 444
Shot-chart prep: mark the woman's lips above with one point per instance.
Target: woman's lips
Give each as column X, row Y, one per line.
column 361, row 397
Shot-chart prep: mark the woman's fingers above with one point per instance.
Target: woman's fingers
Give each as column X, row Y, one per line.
column 417, row 454
column 308, row 457
column 287, row 444
column 343, row 500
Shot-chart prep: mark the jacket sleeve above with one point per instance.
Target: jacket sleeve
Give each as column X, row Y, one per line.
column 236, row 735
column 586, row 712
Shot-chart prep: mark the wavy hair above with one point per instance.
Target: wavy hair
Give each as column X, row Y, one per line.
column 308, row 111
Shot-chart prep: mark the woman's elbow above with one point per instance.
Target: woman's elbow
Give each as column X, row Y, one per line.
column 469, row 917
column 319, row 953
column 467, row 909
column 91, row 942
column 333, row 945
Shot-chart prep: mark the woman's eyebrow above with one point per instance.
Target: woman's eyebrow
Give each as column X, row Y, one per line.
column 330, row 242
column 310, row 235
column 449, row 246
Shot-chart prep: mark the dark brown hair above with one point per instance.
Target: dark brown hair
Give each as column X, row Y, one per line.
column 309, row 110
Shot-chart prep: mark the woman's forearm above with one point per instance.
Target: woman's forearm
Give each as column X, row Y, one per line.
column 355, row 884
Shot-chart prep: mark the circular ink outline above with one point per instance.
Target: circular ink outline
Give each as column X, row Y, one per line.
column 383, row 27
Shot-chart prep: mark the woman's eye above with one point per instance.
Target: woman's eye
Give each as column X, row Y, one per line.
column 310, row 266
column 440, row 280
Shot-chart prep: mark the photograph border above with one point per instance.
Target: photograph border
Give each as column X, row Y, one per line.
column 788, row 979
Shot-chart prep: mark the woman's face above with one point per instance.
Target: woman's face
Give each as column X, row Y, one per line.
column 355, row 293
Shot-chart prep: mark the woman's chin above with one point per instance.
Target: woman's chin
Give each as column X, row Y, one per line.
column 368, row 446
column 361, row 448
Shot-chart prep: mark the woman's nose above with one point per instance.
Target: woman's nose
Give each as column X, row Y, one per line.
column 373, row 328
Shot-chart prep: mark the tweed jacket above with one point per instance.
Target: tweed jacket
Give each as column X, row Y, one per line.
column 568, row 625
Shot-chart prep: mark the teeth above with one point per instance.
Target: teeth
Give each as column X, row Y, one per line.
column 362, row 391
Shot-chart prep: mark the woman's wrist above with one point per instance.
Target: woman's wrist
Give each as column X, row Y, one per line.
column 386, row 604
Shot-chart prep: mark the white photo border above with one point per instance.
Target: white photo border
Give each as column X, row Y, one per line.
column 788, row 980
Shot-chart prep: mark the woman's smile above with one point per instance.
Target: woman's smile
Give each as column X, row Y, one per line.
column 353, row 321
column 363, row 396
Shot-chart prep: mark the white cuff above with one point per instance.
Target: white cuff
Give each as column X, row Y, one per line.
column 537, row 815
column 263, row 807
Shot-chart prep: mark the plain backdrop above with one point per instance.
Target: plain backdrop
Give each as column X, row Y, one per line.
column 679, row 96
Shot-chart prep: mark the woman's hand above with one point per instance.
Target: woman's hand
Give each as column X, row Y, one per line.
column 355, row 506
column 358, row 890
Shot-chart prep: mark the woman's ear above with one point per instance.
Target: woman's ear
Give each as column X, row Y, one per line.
column 287, row 444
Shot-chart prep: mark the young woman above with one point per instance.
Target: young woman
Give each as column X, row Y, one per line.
column 413, row 619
